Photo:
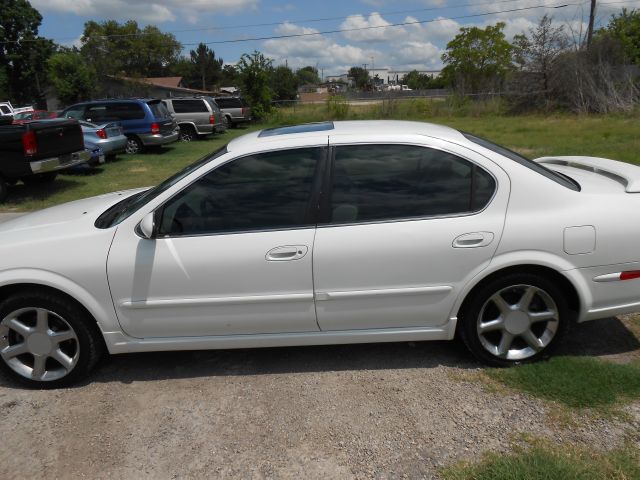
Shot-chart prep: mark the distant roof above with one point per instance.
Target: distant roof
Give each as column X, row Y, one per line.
column 163, row 81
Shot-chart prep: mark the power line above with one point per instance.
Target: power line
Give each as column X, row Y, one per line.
column 373, row 27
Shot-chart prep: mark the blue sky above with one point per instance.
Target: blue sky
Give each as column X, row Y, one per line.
column 418, row 45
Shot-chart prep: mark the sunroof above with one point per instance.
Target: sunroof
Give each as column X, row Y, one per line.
column 307, row 127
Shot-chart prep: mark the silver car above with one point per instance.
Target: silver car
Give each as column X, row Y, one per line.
column 235, row 110
column 196, row 116
column 109, row 137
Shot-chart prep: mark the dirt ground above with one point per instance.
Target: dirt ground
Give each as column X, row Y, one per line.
column 397, row 410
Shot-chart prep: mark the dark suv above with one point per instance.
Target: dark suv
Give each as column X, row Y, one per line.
column 145, row 122
column 235, row 110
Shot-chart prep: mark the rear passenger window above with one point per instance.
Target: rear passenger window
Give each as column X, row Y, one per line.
column 124, row 111
column 376, row 182
column 190, row 106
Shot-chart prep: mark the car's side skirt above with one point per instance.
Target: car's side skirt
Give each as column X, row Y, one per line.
column 117, row 342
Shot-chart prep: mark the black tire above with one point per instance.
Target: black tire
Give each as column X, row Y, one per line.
column 480, row 304
column 40, row 178
column 227, row 121
column 4, row 190
column 187, row 133
column 134, row 145
column 88, row 339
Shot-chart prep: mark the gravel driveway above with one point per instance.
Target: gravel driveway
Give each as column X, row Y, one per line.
column 383, row 411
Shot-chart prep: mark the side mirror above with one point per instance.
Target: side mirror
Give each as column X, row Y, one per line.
column 147, row 226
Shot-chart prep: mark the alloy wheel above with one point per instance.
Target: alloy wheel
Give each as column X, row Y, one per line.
column 517, row 322
column 38, row 344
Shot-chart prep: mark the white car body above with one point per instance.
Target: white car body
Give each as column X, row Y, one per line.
column 364, row 282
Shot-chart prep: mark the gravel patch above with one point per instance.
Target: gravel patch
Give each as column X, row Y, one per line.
column 361, row 411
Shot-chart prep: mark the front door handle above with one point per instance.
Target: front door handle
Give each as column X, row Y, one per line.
column 473, row 240
column 286, row 252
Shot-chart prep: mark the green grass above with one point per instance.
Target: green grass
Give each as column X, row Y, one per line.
column 552, row 462
column 575, row 382
column 533, row 135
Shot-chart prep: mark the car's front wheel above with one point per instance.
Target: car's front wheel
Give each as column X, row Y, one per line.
column 518, row 318
column 46, row 341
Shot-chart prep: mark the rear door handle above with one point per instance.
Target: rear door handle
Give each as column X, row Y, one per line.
column 473, row 240
column 286, row 253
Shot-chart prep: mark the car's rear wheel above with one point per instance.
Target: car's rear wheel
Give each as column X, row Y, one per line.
column 46, row 341
column 134, row 145
column 515, row 319
column 187, row 133
column 227, row 121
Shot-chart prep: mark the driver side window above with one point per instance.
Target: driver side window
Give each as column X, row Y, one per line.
column 263, row 191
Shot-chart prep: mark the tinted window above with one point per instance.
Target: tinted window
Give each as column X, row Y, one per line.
column 230, row 102
column 516, row 157
column 263, row 191
column 159, row 109
column 189, row 106
column 107, row 112
column 5, row 110
column 374, row 182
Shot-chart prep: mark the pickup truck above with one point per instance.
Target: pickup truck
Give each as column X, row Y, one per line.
column 34, row 152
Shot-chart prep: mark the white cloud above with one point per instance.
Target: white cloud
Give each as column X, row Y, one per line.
column 376, row 29
column 315, row 49
column 144, row 10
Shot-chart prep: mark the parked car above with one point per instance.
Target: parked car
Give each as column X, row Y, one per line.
column 34, row 152
column 196, row 116
column 34, row 115
column 98, row 156
column 6, row 109
column 345, row 232
column 235, row 110
column 108, row 136
column 145, row 122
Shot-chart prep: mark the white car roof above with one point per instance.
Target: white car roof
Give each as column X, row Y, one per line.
column 356, row 127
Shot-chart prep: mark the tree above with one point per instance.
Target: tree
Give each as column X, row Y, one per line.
column 229, row 77
column 125, row 49
column 23, row 54
column 254, row 71
column 206, row 65
column 539, row 51
column 284, row 83
column 308, row 76
column 71, row 77
column 360, row 76
column 421, row 81
column 477, row 59
column 625, row 28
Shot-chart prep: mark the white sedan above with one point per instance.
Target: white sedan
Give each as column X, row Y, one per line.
column 327, row 233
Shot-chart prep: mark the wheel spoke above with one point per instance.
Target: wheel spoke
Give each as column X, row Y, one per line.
column 63, row 359
column 533, row 341
column 501, row 304
column 505, row 343
column 14, row 350
column 542, row 316
column 59, row 337
column 18, row 327
column 527, row 297
column 492, row 325
column 42, row 320
column 39, row 363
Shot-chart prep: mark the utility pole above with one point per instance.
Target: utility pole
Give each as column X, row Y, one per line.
column 592, row 16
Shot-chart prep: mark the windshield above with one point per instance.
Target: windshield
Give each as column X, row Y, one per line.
column 159, row 109
column 124, row 208
column 516, row 157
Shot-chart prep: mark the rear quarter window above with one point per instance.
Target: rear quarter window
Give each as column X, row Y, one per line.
column 159, row 109
column 190, row 106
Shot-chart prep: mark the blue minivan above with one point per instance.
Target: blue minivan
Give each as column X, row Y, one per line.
column 145, row 122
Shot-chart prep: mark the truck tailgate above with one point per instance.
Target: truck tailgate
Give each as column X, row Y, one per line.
column 56, row 137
